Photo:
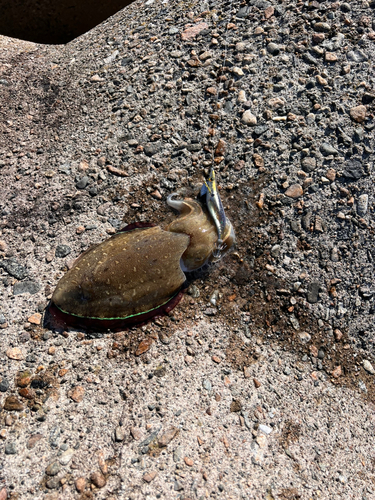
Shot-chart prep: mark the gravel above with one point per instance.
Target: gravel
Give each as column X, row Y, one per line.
column 268, row 391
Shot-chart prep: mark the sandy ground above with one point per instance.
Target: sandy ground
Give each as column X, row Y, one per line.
column 260, row 383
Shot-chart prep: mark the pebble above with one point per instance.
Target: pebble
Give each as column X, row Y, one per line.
column 276, row 102
column 265, row 429
column 33, row 440
column 35, row 319
column 65, row 168
column 243, row 12
column 294, row 191
column 322, row 81
column 83, row 182
column 356, row 56
column 368, row 366
column 15, row 353
column 256, row 382
column 10, row 449
column 136, row 433
column 294, row 322
column 66, row 457
column 237, row 71
column 362, row 204
column 98, row 479
column 4, row 385
column 193, row 31
column 273, row 48
column 330, row 57
column 287, row 370
column 342, row 478
column 258, row 160
column 240, row 46
column 119, row 434
column 362, row 386
column 96, row 78
column 117, row 171
column 318, row 38
column 248, row 118
column 322, row 27
column 77, row 393
column 189, row 461
column 268, row 11
column 313, row 292
column 331, row 174
column 335, row 255
column 15, row 269
column 337, row 372
column 235, row 406
column 53, row 469
column 308, row 164
column 261, row 440
column 53, row 483
column 3, row 494
column 358, row 113
column 207, row 385
column 353, row 170
column 144, row 346
column 149, row 476
column 326, row 149
column 30, row 287
column 304, row 337
column 220, row 148
column 62, row 251
column 167, row 437
column 80, row 484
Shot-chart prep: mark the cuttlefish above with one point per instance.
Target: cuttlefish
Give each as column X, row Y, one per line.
column 139, row 272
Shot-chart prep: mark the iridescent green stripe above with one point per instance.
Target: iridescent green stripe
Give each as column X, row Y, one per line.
column 121, row 317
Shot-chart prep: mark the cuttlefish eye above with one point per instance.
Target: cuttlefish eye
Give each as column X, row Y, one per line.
column 139, row 272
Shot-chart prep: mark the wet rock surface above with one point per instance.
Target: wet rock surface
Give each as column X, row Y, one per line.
column 260, row 383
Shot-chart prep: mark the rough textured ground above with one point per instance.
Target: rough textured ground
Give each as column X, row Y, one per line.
column 260, row 384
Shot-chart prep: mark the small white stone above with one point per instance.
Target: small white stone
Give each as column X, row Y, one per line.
column 240, row 46
column 304, row 337
column 238, row 71
column 368, row 367
column 265, row 429
column 362, row 204
column 241, row 96
column 261, row 440
column 248, row 118
column 66, row 457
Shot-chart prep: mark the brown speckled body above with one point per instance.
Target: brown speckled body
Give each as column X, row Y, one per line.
column 129, row 274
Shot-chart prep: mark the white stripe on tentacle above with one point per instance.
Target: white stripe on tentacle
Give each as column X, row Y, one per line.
column 176, row 204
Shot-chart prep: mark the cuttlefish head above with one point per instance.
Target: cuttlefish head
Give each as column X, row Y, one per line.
column 204, row 220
